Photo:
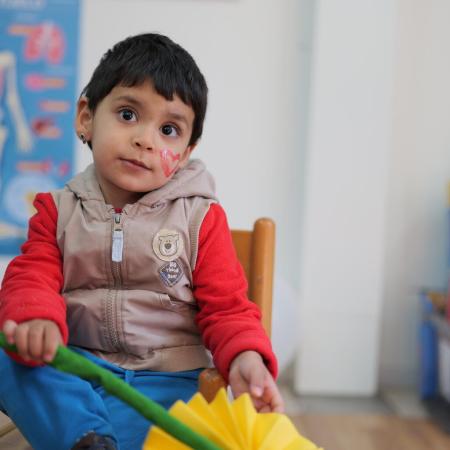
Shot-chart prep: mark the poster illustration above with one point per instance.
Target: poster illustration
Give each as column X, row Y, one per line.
column 38, row 68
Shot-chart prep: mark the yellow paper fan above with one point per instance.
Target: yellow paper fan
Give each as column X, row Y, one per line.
column 230, row 425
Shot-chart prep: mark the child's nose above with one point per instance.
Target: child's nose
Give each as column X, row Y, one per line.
column 144, row 140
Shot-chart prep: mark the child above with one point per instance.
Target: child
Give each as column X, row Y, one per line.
column 131, row 264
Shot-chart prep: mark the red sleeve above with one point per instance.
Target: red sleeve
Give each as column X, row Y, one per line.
column 228, row 321
column 33, row 280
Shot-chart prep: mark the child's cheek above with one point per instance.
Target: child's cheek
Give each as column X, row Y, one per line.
column 169, row 161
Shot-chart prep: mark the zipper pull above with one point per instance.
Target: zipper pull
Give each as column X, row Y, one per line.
column 117, row 239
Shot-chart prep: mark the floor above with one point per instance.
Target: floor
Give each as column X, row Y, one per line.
column 371, row 432
column 396, row 420
column 402, row 403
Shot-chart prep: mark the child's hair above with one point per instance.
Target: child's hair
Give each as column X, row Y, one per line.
column 154, row 57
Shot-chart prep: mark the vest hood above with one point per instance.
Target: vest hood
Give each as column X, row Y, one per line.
column 191, row 181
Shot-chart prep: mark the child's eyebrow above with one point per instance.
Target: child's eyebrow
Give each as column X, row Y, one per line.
column 128, row 99
column 178, row 117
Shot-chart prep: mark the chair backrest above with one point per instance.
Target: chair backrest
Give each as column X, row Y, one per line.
column 256, row 250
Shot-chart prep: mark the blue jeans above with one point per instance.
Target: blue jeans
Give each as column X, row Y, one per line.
column 53, row 409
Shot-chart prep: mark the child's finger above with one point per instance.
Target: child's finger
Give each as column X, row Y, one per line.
column 21, row 336
column 238, row 384
column 277, row 404
column 258, row 404
column 265, row 409
column 9, row 328
column 256, row 381
column 278, row 409
column 35, row 341
column 272, row 397
column 52, row 338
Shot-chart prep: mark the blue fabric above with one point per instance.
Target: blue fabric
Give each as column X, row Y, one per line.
column 54, row 409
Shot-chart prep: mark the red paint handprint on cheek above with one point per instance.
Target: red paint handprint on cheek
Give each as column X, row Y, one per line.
column 169, row 161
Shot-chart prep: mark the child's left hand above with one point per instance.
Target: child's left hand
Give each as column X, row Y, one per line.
column 248, row 373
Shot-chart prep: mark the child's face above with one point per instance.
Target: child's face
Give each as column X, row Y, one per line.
column 139, row 140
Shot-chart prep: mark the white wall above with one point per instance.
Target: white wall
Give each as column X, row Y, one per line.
column 378, row 165
column 341, row 273
column 417, row 238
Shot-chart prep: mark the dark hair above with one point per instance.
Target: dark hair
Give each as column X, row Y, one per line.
column 154, row 57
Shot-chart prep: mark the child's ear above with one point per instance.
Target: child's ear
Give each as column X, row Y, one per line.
column 184, row 158
column 83, row 119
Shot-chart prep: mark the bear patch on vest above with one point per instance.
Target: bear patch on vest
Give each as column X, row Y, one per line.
column 167, row 245
column 171, row 273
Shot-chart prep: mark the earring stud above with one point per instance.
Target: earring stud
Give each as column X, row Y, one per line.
column 83, row 138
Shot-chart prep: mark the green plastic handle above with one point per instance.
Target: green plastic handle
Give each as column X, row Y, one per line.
column 69, row 361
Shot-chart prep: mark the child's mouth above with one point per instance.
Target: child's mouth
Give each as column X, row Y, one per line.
column 134, row 163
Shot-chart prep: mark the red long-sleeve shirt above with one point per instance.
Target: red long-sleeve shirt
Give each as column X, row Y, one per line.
column 228, row 321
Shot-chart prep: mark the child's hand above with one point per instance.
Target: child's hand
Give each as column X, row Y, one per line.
column 36, row 340
column 248, row 373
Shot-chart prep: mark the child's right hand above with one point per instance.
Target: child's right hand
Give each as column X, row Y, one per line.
column 36, row 340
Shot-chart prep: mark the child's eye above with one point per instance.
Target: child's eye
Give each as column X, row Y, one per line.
column 169, row 130
column 127, row 114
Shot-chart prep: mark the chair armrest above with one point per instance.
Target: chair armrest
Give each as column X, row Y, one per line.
column 209, row 383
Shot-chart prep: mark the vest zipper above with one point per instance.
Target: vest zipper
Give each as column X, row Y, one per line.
column 117, row 238
column 113, row 295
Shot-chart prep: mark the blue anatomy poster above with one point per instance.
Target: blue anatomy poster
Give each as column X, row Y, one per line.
column 38, row 76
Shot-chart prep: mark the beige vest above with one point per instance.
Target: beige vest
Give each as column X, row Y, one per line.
column 128, row 276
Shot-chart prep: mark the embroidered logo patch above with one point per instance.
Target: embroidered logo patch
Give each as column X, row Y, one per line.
column 171, row 273
column 167, row 245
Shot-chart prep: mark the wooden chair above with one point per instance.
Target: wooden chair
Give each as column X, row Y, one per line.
column 255, row 250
